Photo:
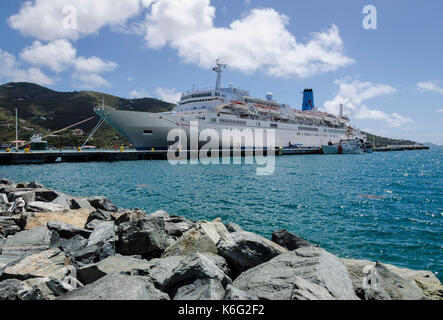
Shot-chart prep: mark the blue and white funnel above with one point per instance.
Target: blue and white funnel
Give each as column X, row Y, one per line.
column 308, row 100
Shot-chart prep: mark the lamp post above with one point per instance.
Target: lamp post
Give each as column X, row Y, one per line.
column 16, row 130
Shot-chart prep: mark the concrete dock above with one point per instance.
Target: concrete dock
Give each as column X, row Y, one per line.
column 42, row 157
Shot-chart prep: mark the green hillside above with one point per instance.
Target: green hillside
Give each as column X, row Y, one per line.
column 44, row 110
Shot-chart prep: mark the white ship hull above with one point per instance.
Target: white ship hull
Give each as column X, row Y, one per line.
column 150, row 130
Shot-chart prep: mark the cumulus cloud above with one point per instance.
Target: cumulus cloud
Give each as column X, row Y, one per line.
column 353, row 95
column 430, row 86
column 168, row 95
column 11, row 70
column 60, row 55
column 259, row 40
column 43, row 19
column 139, row 94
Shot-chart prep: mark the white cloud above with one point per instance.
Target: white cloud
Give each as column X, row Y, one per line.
column 43, row 19
column 60, row 55
column 89, row 81
column 139, row 94
column 57, row 55
column 259, row 40
column 168, row 95
column 439, row 110
column 353, row 94
column 431, row 86
column 11, row 70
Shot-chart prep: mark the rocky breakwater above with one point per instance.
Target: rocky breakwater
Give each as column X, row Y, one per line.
column 54, row 246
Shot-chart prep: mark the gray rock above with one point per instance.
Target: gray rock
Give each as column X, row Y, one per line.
column 274, row 280
column 66, row 230
column 93, row 253
column 69, row 246
column 245, row 250
column 176, row 226
column 46, row 195
column 146, row 237
column 8, row 226
column 219, row 261
column 34, row 185
column 6, row 182
column 207, row 289
column 39, row 206
column 389, row 286
column 193, row 267
column 104, row 232
column 131, row 216
column 306, row 290
column 27, row 242
column 79, row 203
column 203, row 237
column 233, row 227
column 233, row 293
column 289, row 240
column 360, row 269
column 43, row 289
column 93, row 224
column 103, row 203
column 9, row 289
column 113, row 264
column 160, row 270
column 118, row 287
column 99, row 215
column 49, row 263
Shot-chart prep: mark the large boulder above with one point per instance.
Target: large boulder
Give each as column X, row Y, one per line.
column 49, row 263
column 131, row 216
column 11, row 225
column 67, row 231
column 27, row 242
column 39, row 206
column 274, row 280
column 76, row 218
column 99, row 215
column 176, row 226
column 289, row 240
column 160, row 270
column 113, row 264
column 306, row 290
column 377, row 281
column 92, row 253
column 118, row 287
column 201, row 289
column 104, row 232
column 193, row 267
column 43, row 289
column 203, row 237
column 68, row 246
column 9, row 289
column 102, row 203
column 233, row 293
column 146, row 237
column 244, row 250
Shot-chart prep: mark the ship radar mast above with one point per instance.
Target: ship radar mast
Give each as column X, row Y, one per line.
column 218, row 69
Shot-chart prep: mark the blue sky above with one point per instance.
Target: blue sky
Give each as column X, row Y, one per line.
column 389, row 78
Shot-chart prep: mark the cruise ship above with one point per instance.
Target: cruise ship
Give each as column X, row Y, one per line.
column 228, row 108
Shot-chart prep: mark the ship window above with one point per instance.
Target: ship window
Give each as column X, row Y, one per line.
column 274, row 125
column 147, row 132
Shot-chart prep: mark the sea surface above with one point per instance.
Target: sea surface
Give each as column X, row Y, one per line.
column 381, row 206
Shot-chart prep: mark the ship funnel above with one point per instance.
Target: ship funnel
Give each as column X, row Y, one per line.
column 308, row 100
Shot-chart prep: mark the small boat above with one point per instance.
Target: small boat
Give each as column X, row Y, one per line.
column 348, row 145
column 37, row 143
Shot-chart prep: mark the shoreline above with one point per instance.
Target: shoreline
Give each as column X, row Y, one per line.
column 55, row 246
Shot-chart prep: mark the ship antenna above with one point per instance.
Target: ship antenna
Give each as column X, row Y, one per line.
column 218, row 69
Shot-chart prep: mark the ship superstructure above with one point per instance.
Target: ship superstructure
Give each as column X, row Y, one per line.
column 221, row 108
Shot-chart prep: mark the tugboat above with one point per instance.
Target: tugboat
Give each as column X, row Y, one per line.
column 37, row 144
column 348, row 145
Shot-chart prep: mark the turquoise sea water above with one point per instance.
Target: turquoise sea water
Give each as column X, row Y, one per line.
column 381, row 206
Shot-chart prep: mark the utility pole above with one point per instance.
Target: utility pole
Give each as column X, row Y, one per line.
column 16, row 130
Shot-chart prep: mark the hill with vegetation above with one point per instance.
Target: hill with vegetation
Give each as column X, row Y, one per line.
column 44, row 111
